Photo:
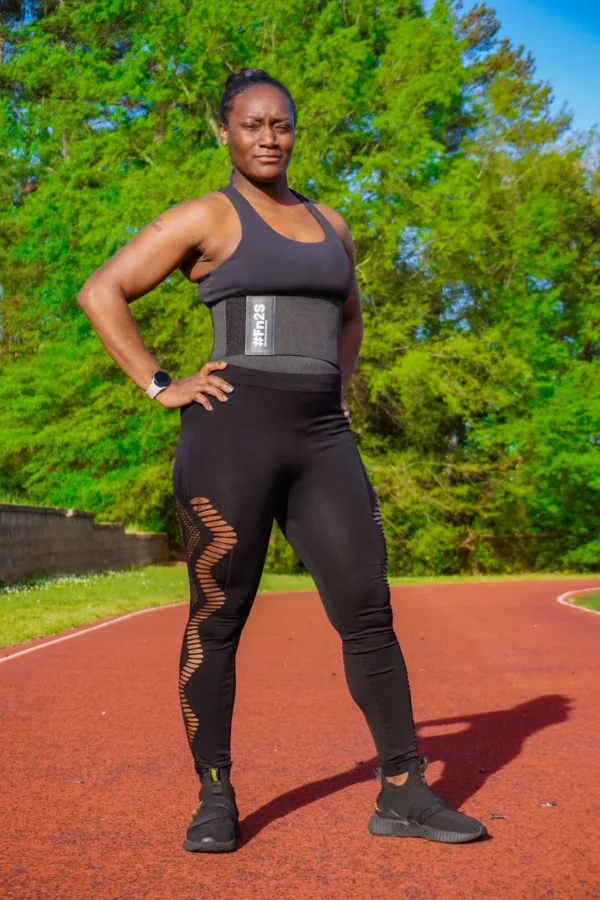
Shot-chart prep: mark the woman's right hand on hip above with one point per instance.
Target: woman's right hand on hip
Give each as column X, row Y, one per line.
column 193, row 390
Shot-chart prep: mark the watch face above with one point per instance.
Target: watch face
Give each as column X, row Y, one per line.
column 162, row 379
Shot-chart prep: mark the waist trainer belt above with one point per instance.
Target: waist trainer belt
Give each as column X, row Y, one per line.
column 277, row 325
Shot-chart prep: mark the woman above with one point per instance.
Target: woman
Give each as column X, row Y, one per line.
column 265, row 435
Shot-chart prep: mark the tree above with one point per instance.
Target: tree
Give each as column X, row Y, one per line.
column 475, row 216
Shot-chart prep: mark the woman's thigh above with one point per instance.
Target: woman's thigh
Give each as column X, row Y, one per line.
column 224, row 496
column 331, row 517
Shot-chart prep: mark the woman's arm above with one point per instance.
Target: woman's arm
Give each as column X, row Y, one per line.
column 138, row 267
column 352, row 323
column 352, row 334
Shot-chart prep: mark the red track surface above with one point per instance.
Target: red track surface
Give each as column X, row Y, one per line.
column 99, row 787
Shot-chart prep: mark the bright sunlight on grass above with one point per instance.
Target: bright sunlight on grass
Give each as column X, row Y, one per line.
column 58, row 602
column 48, row 605
column 590, row 601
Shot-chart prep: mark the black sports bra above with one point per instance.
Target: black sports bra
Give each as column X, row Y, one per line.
column 267, row 262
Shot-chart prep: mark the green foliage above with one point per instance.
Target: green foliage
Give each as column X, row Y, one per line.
column 475, row 215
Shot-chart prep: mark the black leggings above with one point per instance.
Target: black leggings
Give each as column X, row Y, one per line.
column 281, row 448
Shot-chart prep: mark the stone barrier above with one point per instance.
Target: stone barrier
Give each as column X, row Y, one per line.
column 42, row 540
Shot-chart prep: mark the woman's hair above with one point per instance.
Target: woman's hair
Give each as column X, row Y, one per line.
column 242, row 79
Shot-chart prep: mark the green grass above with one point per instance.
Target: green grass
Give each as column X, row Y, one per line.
column 53, row 604
column 590, row 601
column 49, row 605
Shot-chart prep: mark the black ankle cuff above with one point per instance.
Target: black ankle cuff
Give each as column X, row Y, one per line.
column 391, row 769
column 224, row 771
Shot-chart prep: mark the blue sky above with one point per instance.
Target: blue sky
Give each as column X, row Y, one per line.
column 564, row 39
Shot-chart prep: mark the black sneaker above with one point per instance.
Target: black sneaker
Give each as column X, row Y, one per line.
column 215, row 825
column 412, row 809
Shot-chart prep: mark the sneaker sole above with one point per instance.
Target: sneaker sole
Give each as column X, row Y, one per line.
column 209, row 845
column 397, row 828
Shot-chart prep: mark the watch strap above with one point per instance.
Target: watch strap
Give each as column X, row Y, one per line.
column 153, row 389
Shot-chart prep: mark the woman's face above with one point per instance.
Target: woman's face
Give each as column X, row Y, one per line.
column 260, row 133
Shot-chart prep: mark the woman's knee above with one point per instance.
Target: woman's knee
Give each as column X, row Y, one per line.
column 366, row 616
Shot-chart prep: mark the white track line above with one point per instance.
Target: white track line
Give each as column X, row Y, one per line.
column 139, row 612
column 564, row 599
column 67, row 637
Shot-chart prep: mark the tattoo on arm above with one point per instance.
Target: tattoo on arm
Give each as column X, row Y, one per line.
column 155, row 224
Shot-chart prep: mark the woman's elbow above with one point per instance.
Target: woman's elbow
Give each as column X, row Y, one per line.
column 95, row 290
column 85, row 295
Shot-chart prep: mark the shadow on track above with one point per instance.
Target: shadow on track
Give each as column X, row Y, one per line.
column 487, row 743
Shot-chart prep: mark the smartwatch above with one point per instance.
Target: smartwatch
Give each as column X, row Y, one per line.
column 160, row 381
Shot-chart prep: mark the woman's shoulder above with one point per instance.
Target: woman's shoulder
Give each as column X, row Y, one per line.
column 200, row 213
column 336, row 220
column 204, row 204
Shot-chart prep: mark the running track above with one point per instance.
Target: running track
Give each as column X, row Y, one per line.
column 98, row 787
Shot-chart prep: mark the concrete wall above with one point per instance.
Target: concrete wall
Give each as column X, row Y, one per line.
column 40, row 540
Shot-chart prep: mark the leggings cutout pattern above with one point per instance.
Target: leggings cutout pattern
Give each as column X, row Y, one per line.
column 376, row 510
column 282, row 449
column 378, row 518
column 224, row 539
